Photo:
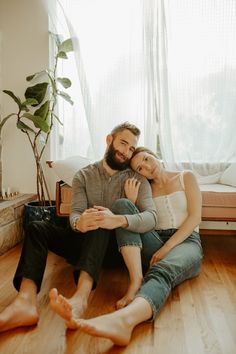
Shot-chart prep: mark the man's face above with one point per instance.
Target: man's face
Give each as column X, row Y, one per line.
column 120, row 150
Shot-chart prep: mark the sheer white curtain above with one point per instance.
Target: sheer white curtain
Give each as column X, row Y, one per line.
column 168, row 66
column 109, row 85
column 193, row 80
column 73, row 137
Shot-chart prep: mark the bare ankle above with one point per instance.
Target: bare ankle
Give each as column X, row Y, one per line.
column 27, row 298
column 135, row 283
column 137, row 280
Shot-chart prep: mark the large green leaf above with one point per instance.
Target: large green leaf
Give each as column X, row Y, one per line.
column 22, row 126
column 52, row 82
column 64, row 81
column 62, row 55
column 25, row 108
column 30, row 102
column 66, row 46
column 65, row 96
column 31, row 77
column 57, row 118
column 43, row 111
column 37, row 91
column 38, row 122
column 57, row 38
column 15, row 98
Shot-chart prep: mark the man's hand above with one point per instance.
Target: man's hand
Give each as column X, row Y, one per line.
column 88, row 221
column 109, row 220
column 99, row 217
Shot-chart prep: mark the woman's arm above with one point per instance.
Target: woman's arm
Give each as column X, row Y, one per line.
column 194, row 208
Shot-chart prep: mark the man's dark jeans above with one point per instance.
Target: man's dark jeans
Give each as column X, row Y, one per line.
column 85, row 251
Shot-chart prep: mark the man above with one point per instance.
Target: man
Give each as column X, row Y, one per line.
column 95, row 189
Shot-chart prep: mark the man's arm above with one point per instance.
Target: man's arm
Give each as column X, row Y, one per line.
column 83, row 218
column 79, row 201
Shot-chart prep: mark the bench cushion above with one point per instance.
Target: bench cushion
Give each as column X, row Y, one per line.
column 218, row 202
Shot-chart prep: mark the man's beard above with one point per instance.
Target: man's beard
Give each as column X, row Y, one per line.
column 112, row 161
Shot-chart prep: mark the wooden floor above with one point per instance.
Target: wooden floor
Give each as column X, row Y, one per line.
column 198, row 318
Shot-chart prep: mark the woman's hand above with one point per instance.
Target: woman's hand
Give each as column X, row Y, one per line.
column 158, row 255
column 131, row 189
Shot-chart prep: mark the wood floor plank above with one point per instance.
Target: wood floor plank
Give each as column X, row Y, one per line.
column 168, row 327
column 192, row 331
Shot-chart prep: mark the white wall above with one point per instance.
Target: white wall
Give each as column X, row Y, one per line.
column 24, row 32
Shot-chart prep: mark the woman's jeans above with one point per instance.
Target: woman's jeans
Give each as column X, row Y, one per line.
column 181, row 263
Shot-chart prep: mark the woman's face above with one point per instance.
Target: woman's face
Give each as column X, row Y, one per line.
column 146, row 164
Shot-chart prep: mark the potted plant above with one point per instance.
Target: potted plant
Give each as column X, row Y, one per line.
column 36, row 115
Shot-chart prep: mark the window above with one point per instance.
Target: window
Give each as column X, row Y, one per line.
column 167, row 66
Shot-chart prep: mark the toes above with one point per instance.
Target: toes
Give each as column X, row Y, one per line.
column 73, row 324
column 120, row 304
column 53, row 294
column 84, row 325
column 123, row 302
column 64, row 303
column 61, row 300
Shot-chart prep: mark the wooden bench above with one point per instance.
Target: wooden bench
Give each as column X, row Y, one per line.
column 218, row 207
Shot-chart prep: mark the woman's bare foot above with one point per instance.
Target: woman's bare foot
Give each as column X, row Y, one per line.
column 69, row 309
column 109, row 326
column 130, row 294
column 21, row 312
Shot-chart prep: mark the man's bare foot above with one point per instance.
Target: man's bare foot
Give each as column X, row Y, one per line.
column 129, row 296
column 109, row 326
column 21, row 312
column 69, row 309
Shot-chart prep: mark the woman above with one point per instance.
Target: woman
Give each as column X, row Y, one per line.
column 172, row 253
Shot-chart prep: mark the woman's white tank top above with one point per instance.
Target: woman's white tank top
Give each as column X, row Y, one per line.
column 172, row 208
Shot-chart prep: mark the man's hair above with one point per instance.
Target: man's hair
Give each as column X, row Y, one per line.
column 126, row 125
column 144, row 149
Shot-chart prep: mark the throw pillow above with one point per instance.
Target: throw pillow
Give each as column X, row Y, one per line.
column 66, row 169
column 229, row 176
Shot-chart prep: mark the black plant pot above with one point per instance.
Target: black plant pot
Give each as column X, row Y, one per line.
column 35, row 212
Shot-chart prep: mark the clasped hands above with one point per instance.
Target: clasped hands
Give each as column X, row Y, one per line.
column 97, row 217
